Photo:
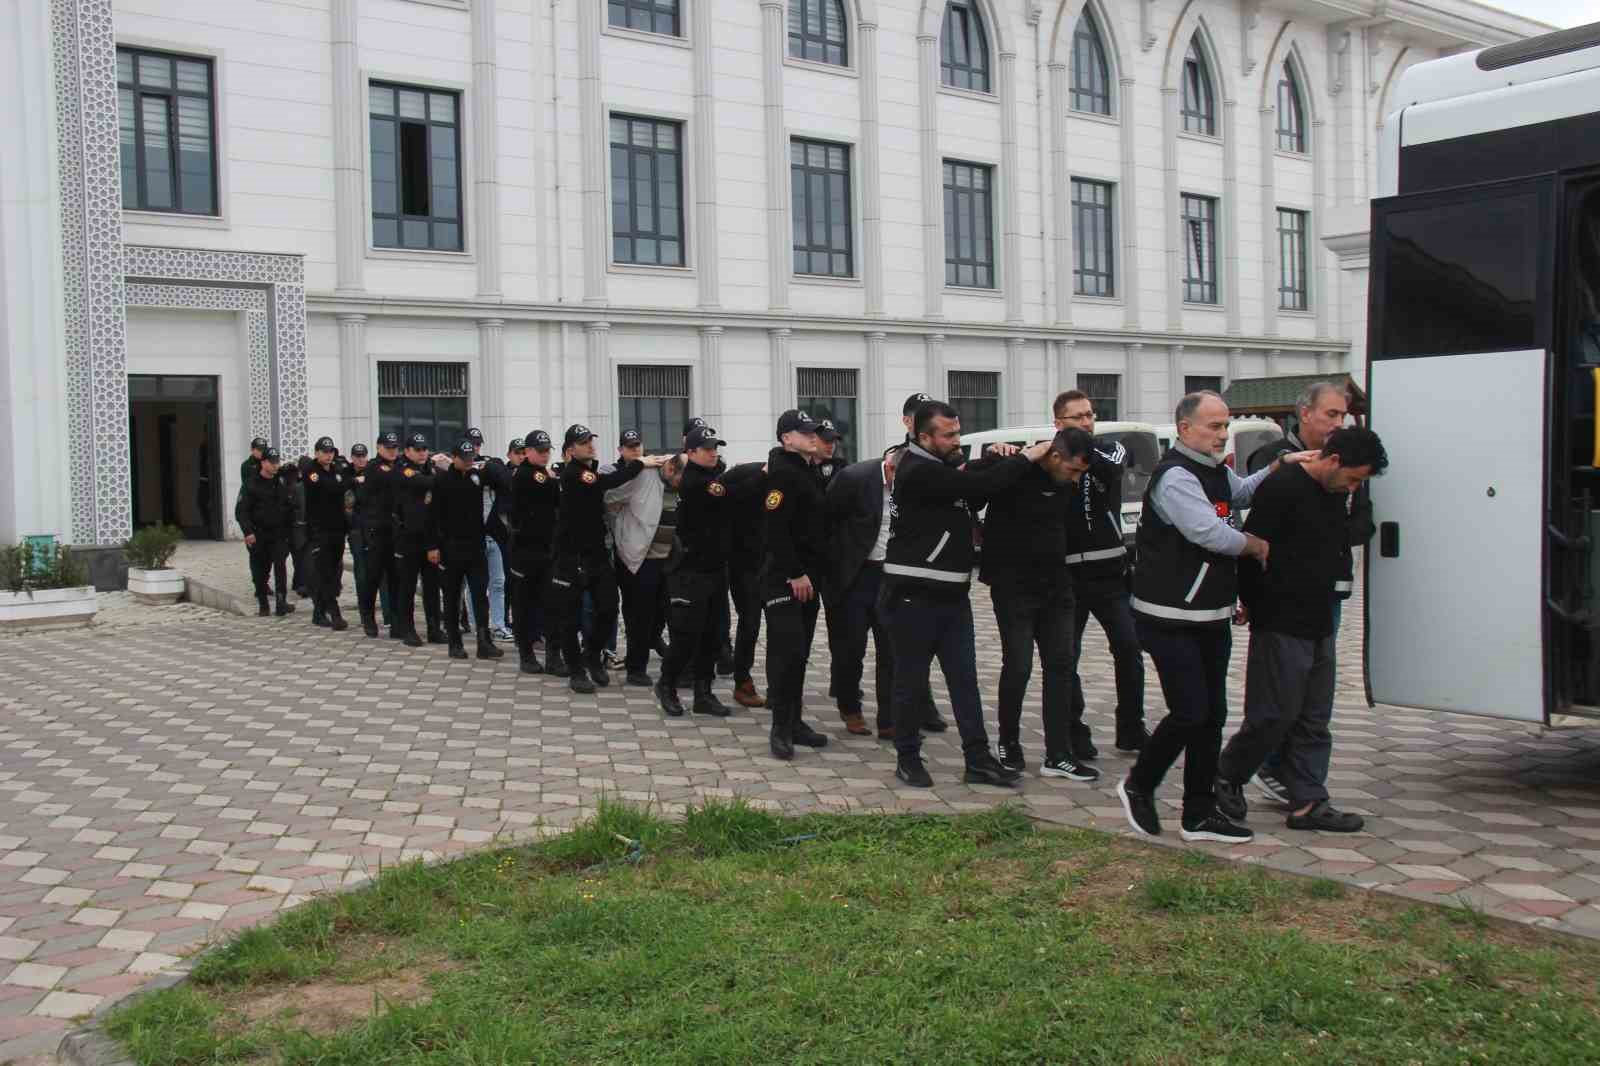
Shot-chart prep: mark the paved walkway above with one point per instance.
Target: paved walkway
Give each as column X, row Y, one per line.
column 185, row 772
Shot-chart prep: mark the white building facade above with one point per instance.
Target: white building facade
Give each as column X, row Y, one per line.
column 222, row 219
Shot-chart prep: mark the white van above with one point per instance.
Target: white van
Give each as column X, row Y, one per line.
column 1245, row 435
column 1138, row 438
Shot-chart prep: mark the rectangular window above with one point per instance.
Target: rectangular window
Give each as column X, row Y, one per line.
column 1093, row 239
column 646, row 16
column 426, row 398
column 416, row 173
column 819, row 189
column 1202, row 383
column 831, row 393
column 968, row 225
column 1199, row 249
column 655, row 401
column 166, row 115
column 646, row 191
column 975, row 394
column 1292, row 292
column 1103, row 391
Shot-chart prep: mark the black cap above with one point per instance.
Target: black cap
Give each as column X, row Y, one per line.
column 358, row 449
column 516, row 445
column 270, row 455
column 388, row 439
column 577, row 433
column 794, row 421
column 538, row 440
column 417, row 440
column 703, row 437
column 826, row 430
column 257, row 443
column 325, row 444
column 914, row 401
column 475, row 435
column 692, row 425
column 466, row 449
column 630, row 439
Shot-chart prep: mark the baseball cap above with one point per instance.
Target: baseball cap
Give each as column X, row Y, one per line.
column 703, row 437
column 826, row 430
column 914, row 401
column 466, row 449
column 475, row 435
column 516, row 445
column 358, row 449
column 794, row 421
column 577, row 433
column 270, row 455
column 259, row 442
column 417, row 440
column 538, row 440
column 630, row 438
column 325, row 444
column 388, row 439
column 692, row 425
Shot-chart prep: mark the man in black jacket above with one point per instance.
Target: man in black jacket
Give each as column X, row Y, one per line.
column 1024, row 565
column 535, row 497
column 1289, row 676
column 325, row 485
column 412, row 490
column 265, row 513
column 927, row 583
column 375, row 582
column 745, row 556
column 456, row 543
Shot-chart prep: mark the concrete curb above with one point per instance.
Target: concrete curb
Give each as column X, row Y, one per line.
column 88, row 1046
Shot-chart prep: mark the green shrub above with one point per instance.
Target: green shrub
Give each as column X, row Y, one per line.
column 152, row 547
column 24, row 568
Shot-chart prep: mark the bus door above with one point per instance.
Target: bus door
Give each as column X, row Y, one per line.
column 1458, row 381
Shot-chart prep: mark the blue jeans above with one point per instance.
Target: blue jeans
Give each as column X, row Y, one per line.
column 497, row 587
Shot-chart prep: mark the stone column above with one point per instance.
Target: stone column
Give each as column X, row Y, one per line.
column 782, row 371
column 1235, row 366
column 933, row 353
column 711, row 375
column 1274, row 361
column 1015, row 392
column 1061, row 195
column 873, row 389
column 1133, row 406
column 1270, row 259
column 706, row 256
column 1175, row 387
column 485, row 151
column 597, row 359
column 355, row 381
column 1009, row 186
column 349, row 174
column 1231, row 297
column 780, row 244
column 932, row 179
column 492, row 383
column 1127, row 273
column 1171, row 208
column 594, row 137
column 871, row 176
column 1066, row 365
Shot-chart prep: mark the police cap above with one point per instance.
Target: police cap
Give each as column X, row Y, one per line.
column 358, row 449
column 325, row 444
column 577, row 433
column 914, row 401
column 795, row 421
column 703, row 437
column 388, row 439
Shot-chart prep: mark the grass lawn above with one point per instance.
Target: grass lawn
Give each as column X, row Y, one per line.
column 738, row 936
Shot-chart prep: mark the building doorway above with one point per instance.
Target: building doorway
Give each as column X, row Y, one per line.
column 175, row 453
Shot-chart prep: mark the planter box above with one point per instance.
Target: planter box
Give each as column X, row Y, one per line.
column 155, row 586
column 47, row 607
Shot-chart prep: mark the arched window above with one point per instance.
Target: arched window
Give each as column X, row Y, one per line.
column 1091, row 76
column 817, row 31
column 1291, row 112
column 964, row 50
column 1199, row 98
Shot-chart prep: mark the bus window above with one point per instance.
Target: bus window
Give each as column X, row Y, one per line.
column 1586, row 282
column 1461, row 276
column 1143, row 455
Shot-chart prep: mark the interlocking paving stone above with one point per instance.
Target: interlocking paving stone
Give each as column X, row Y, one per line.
column 164, row 782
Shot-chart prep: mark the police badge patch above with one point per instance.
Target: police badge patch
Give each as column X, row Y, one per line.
column 410, row 472
column 427, row 498
column 717, row 488
column 313, row 477
column 774, row 500
column 589, row 478
column 540, row 478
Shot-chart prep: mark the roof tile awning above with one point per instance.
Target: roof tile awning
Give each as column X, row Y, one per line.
column 1277, row 395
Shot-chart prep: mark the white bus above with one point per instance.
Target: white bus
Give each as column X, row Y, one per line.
column 1483, row 584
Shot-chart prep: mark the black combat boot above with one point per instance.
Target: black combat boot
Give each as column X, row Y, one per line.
column 318, row 616
column 579, row 682
column 529, row 663
column 486, row 648
column 705, row 702
column 667, row 695
column 804, row 734
column 284, row 606
column 411, row 639
column 457, row 650
column 436, row 635
column 781, row 735
column 556, row 665
column 369, row 623
column 597, row 670
column 261, row 607
column 336, row 620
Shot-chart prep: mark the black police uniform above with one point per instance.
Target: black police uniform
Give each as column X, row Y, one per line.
column 375, row 516
column 582, row 561
column 328, row 523
column 797, row 546
column 412, row 489
column 456, row 532
column 745, row 555
column 535, row 499
column 265, row 509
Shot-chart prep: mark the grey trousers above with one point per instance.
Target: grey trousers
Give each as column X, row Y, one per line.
column 1288, row 703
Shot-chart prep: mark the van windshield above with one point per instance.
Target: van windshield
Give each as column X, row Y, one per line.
column 1245, row 444
column 1143, row 454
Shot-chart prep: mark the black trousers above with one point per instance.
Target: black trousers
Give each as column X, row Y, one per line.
column 643, row 608
column 925, row 626
column 380, row 570
column 1028, row 615
column 529, row 570
column 1107, row 599
column 270, row 555
column 1288, row 703
column 464, row 562
column 412, row 563
column 791, row 625
column 570, row 577
column 327, row 568
column 692, row 598
column 1192, row 662
column 745, row 585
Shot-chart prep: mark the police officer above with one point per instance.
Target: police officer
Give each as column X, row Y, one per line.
column 535, row 496
column 252, row 462
column 707, row 510
column 456, row 544
column 265, row 513
column 745, row 557
column 797, row 548
column 324, row 481
column 581, row 559
column 413, row 491
column 375, row 485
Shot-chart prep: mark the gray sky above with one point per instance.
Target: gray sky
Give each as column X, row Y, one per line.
column 1555, row 12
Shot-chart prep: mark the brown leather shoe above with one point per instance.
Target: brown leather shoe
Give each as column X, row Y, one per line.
column 745, row 695
column 854, row 723
column 886, row 732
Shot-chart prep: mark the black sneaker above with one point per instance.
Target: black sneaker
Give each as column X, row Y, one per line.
column 909, row 768
column 597, row 673
column 985, row 769
column 1064, row 766
column 530, row 664
column 1271, row 786
column 1011, row 756
column 579, row 682
column 1140, row 807
column 639, row 679
column 1132, row 742
column 1218, row 827
column 1230, row 800
column 1326, row 818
